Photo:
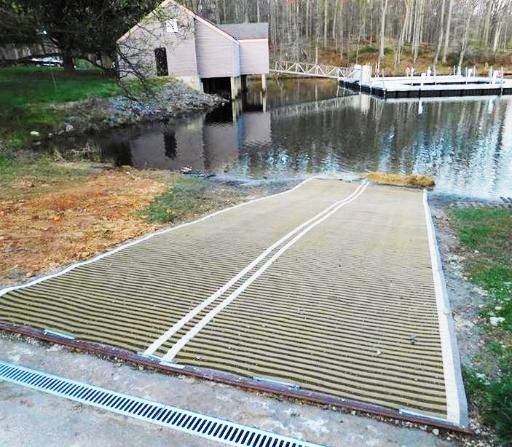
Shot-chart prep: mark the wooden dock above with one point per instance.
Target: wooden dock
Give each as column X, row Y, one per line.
column 430, row 86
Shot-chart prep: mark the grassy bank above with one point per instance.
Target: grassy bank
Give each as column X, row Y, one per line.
column 30, row 176
column 51, row 102
column 181, row 199
column 190, row 196
column 28, row 93
column 486, row 240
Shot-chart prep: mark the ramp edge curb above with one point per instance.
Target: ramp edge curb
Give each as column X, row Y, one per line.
column 230, row 379
column 456, row 400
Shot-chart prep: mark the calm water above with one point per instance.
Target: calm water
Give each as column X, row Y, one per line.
column 308, row 126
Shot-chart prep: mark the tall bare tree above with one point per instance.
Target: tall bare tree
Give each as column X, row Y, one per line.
column 343, row 31
column 447, row 31
column 384, row 9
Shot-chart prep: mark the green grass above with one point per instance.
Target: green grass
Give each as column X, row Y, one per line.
column 27, row 92
column 493, row 397
column 22, row 85
column 38, row 170
column 185, row 196
column 486, row 235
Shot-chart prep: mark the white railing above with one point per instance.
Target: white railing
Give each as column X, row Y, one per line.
column 310, row 69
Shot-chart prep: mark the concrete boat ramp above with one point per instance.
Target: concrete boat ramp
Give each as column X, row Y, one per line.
column 330, row 292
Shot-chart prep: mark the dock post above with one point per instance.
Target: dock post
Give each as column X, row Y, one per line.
column 235, row 87
column 264, row 83
column 264, row 102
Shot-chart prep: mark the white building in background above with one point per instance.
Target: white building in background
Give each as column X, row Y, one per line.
column 173, row 41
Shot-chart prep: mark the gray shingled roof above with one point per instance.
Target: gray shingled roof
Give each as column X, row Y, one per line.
column 241, row 31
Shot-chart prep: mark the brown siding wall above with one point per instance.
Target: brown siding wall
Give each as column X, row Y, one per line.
column 13, row 52
column 254, row 57
column 216, row 53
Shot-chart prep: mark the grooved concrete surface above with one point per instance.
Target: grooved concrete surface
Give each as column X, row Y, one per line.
column 130, row 298
column 348, row 310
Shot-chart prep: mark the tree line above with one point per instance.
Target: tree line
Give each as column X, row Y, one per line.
column 72, row 28
column 299, row 29
column 449, row 28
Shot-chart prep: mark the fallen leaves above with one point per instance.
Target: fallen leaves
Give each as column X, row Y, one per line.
column 73, row 222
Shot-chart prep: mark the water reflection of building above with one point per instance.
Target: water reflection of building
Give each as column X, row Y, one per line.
column 160, row 148
column 207, row 142
column 465, row 143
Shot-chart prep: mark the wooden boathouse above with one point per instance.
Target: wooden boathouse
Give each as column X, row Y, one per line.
column 174, row 41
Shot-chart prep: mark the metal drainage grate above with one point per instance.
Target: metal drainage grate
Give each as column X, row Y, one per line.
column 164, row 415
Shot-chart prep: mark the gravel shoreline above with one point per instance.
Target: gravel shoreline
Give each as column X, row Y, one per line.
column 169, row 100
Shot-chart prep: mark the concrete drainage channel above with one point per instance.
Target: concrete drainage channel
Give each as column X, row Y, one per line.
column 189, row 422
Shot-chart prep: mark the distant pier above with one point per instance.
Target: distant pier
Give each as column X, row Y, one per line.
column 430, row 86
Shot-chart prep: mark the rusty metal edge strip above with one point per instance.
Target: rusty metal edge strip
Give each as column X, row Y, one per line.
column 229, row 379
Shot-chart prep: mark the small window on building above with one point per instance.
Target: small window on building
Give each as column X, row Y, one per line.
column 161, row 62
column 171, row 26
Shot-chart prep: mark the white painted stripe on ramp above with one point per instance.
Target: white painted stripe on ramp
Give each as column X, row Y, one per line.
column 171, row 354
column 193, row 313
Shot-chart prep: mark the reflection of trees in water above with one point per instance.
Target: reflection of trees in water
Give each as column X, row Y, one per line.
column 460, row 145
column 293, row 91
column 458, row 141
column 461, row 141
